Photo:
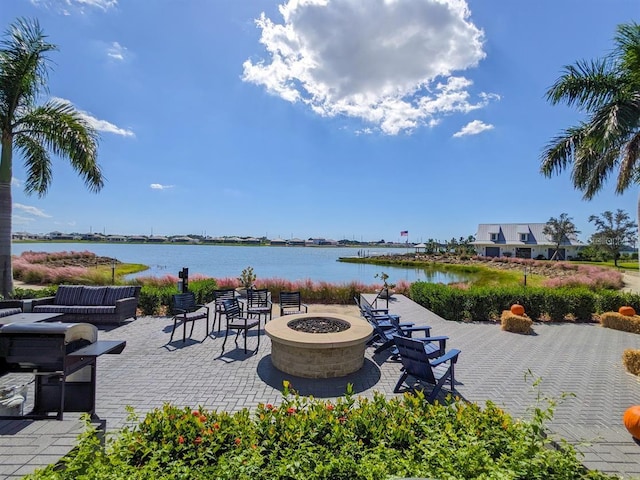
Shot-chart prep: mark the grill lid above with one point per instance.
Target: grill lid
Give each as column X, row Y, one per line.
column 71, row 332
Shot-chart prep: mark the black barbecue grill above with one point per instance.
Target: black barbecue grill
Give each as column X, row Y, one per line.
column 63, row 358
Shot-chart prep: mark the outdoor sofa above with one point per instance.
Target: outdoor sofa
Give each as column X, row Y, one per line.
column 10, row 307
column 96, row 305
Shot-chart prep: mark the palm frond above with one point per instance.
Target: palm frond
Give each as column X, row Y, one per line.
column 586, row 85
column 23, row 67
column 37, row 163
column 560, row 150
column 630, row 164
column 63, row 131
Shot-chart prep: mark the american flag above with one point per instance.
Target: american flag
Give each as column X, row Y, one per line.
column 404, row 233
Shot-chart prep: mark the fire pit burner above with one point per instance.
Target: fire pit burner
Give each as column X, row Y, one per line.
column 318, row 325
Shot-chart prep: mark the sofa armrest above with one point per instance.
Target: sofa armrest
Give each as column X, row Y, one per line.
column 11, row 304
column 126, row 307
column 43, row 301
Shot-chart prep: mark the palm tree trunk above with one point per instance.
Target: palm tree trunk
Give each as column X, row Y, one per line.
column 6, row 272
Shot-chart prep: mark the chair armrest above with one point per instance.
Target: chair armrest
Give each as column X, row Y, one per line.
column 306, row 307
column 450, row 355
column 442, row 343
column 410, row 330
column 206, row 307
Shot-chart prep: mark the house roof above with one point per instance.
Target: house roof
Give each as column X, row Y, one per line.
column 509, row 233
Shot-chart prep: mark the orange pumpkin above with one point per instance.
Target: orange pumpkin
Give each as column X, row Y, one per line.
column 627, row 311
column 631, row 419
column 517, row 309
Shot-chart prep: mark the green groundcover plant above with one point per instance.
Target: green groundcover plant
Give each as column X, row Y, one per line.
column 307, row 438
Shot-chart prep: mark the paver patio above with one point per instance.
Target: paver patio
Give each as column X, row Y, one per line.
column 582, row 359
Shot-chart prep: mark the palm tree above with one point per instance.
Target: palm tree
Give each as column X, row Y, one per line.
column 558, row 230
column 35, row 131
column 608, row 91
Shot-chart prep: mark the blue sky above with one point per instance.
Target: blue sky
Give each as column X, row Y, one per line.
column 316, row 118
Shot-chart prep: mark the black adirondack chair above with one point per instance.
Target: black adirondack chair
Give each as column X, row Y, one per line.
column 421, row 362
column 384, row 334
column 238, row 322
column 291, row 304
column 185, row 309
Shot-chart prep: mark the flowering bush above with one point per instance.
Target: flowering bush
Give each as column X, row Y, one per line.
column 309, row 438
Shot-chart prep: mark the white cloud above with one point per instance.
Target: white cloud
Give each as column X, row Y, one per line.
column 116, row 51
column 16, row 182
column 390, row 63
column 158, row 186
column 100, row 125
column 77, row 4
column 20, row 220
column 473, row 128
column 29, row 210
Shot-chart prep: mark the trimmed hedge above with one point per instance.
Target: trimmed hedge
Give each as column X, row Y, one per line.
column 487, row 303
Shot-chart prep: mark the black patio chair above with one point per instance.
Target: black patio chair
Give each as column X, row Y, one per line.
column 291, row 304
column 238, row 322
column 259, row 303
column 219, row 296
column 421, row 363
column 185, row 308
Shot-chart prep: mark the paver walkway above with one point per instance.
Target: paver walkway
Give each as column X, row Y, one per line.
column 584, row 359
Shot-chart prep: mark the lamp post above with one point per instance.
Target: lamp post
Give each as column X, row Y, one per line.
column 113, row 271
column 525, row 275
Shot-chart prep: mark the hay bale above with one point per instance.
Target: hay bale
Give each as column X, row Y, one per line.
column 631, row 360
column 515, row 323
column 617, row 321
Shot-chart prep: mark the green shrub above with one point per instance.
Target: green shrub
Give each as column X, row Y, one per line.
column 557, row 304
column 23, row 293
column 582, row 303
column 307, row 438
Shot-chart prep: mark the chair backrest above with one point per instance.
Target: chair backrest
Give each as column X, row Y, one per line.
column 414, row 358
column 232, row 308
column 257, row 298
column 219, row 296
column 290, row 300
column 185, row 302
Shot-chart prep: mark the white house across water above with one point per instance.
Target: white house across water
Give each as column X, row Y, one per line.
column 522, row 240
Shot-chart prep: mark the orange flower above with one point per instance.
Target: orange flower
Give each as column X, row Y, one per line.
column 330, row 407
column 254, row 446
column 208, row 431
column 291, row 410
column 216, row 426
column 238, row 441
column 180, row 439
column 268, row 406
column 196, row 413
column 198, row 440
column 202, row 418
column 342, row 419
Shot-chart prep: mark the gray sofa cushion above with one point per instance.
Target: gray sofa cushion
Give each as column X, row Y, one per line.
column 117, row 293
column 82, row 309
column 92, row 296
column 5, row 312
column 68, row 294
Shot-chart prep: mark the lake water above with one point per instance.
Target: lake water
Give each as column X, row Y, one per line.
column 290, row 263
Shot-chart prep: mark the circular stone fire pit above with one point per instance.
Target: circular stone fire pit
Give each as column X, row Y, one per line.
column 318, row 355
